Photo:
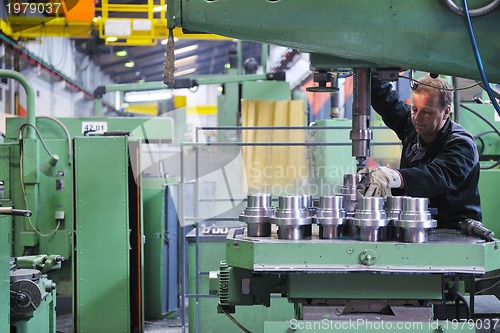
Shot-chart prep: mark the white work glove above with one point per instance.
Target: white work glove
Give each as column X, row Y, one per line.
column 381, row 180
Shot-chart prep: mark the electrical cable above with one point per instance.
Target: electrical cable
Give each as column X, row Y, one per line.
column 488, row 278
column 464, row 301
column 26, row 202
column 495, row 92
column 237, row 323
column 479, row 137
column 495, row 129
column 482, row 118
column 66, row 132
column 481, row 152
column 478, row 83
column 488, row 288
column 21, row 129
column 489, row 167
column 479, row 62
column 23, row 126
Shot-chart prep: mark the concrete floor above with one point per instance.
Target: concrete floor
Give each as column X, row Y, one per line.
column 164, row 326
column 64, row 325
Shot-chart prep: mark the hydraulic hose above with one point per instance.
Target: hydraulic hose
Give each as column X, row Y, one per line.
column 479, row 62
column 474, row 12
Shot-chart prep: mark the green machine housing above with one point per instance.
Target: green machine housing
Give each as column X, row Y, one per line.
column 90, row 211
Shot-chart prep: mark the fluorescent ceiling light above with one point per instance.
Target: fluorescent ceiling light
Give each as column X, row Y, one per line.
column 186, row 61
column 186, row 49
column 129, row 64
column 121, row 53
column 186, row 71
column 111, row 39
column 148, row 95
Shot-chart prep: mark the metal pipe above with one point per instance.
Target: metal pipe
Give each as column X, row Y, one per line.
column 30, row 98
column 182, row 247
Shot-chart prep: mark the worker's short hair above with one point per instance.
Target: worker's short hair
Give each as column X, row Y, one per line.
column 436, row 87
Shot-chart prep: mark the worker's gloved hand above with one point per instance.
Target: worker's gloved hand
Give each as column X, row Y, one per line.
column 381, row 180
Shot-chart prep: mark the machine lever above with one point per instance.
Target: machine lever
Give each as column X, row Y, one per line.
column 12, row 211
column 475, row 228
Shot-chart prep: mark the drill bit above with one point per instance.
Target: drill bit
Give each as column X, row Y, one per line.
column 169, row 69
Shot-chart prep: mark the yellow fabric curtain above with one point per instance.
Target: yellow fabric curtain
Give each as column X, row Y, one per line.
column 275, row 169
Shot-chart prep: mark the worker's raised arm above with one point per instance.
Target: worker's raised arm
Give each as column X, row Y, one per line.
column 386, row 102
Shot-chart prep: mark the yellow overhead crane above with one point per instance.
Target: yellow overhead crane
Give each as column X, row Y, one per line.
column 117, row 23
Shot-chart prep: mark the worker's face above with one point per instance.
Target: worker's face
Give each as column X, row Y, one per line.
column 427, row 116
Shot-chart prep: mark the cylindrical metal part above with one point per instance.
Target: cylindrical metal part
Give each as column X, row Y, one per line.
column 371, row 218
column 292, row 218
column 415, row 209
column 361, row 133
column 294, row 232
column 257, row 215
column 349, row 192
column 330, row 216
column 350, row 195
column 393, row 208
column 307, row 201
column 415, row 220
column 411, row 235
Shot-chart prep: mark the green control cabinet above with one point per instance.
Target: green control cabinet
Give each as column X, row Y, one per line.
column 105, row 237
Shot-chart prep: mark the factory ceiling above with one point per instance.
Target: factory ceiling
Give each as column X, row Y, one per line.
column 125, row 63
column 193, row 57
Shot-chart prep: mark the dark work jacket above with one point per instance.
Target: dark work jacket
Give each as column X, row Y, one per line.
column 446, row 171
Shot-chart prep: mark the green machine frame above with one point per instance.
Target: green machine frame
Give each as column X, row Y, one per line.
column 329, row 281
column 90, row 211
column 401, row 34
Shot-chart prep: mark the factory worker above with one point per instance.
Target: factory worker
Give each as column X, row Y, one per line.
column 439, row 159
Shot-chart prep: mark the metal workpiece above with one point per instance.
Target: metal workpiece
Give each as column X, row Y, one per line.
column 308, row 204
column 371, row 219
column 257, row 213
column 330, row 216
column 393, row 208
column 349, row 192
column 415, row 220
column 350, row 197
column 292, row 218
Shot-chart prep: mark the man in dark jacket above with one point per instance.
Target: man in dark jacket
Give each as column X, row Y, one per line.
column 439, row 160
